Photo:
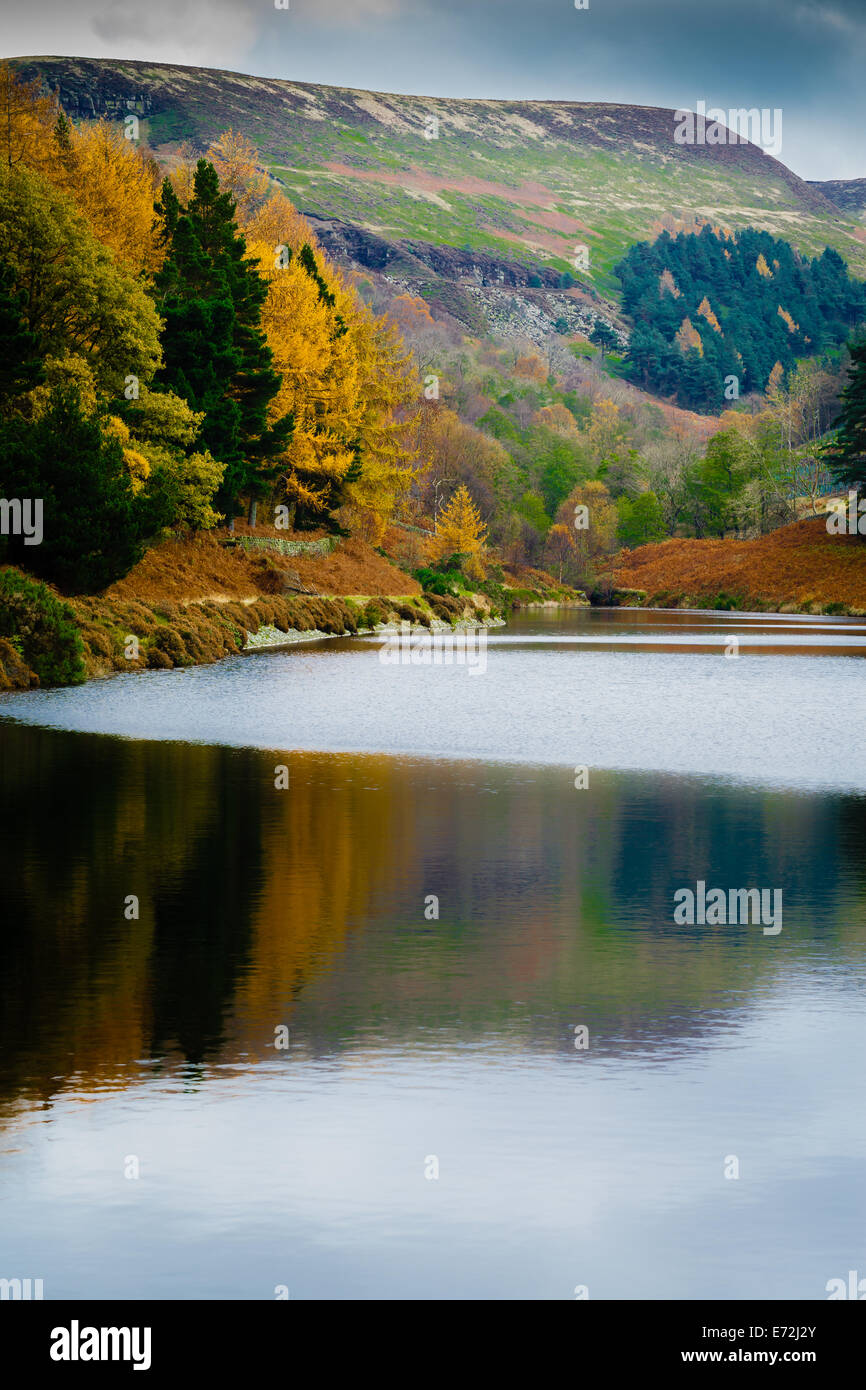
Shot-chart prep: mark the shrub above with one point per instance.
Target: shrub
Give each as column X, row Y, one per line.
column 433, row 581
column 372, row 614
column 42, row 628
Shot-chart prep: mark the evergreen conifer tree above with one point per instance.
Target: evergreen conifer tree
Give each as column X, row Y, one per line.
column 215, row 353
column 847, row 454
column 20, row 358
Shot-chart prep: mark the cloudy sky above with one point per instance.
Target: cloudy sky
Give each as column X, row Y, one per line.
column 806, row 57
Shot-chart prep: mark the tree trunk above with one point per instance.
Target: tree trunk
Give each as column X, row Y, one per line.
column 254, row 506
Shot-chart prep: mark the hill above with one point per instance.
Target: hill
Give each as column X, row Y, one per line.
column 799, row 568
column 847, row 194
column 482, row 206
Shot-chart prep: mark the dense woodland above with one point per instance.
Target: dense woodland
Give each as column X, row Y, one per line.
column 177, row 350
column 716, row 307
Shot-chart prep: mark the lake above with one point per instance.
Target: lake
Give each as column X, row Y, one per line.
column 354, row 977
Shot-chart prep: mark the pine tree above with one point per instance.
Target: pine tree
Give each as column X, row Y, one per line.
column 94, row 525
column 62, row 137
column 20, row 359
column 215, row 353
column 603, row 336
column 847, row 454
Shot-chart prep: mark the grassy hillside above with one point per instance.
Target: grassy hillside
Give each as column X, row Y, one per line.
column 847, row 194
column 513, row 187
column 799, row 568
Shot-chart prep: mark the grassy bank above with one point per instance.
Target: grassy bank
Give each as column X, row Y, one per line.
column 91, row 637
column 196, row 600
column 798, row 569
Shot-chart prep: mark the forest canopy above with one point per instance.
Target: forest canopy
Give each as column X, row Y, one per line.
column 716, row 307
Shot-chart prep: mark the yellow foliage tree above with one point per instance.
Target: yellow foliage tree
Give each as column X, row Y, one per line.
column 388, row 392
column 705, row 311
column 182, row 172
column 319, row 387
column 137, row 465
column 460, row 531
column 792, row 326
column 688, row 337
column 557, row 417
column 115, row 185
column 410, row 312
column 559, row 546
column 606, row 433
column 532, row 368
column 345, row 377
column 110, row 180
column 762, row 267
column 775, row 379
column 27, row 120
column 236, row 161
column 590, row 514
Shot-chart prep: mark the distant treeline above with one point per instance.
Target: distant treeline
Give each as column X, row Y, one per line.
column 716, row 305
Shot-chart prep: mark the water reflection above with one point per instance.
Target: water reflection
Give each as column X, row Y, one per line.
column 306, row 907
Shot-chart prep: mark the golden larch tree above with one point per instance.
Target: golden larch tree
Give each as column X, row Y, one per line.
column 27, row 120
column 687, row 336
column 346, row 378
column 459, row 530
column 706, row 312
column 240, row 172
column 115, row 185
column 792, row 326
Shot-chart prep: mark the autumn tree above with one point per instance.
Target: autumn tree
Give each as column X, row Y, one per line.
column 460, row 531
column 109, row 178
column 114, row 184
column 27, row 120
column 81, row 305
column 451, row 453
column 590, row 514
column 315, row 359
column 706, row 312
column 239, row 170
column 688, row 338
column 802, row 410
column 606, row 433
column 559, row 550
column 346, row 379
column 389, row 402
column 559, row 419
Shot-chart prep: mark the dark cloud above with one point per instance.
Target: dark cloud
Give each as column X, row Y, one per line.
column 805, row 58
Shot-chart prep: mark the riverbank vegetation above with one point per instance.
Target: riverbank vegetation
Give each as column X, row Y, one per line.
column 797, row 569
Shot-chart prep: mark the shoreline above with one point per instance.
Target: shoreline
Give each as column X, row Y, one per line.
column 99, row 637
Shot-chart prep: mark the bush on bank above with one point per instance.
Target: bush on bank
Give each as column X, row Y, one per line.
column 42, row 630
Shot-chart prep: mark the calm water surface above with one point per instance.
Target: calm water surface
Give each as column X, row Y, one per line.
column 151, row 1041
